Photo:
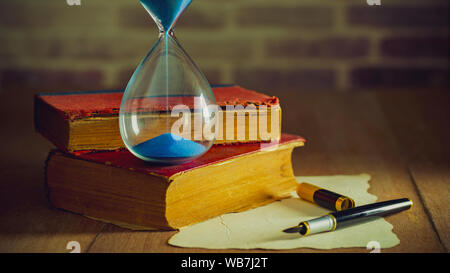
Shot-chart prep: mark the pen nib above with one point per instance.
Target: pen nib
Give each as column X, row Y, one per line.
column 293, row 229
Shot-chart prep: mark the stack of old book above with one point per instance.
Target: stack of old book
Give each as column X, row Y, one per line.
column 91, row 173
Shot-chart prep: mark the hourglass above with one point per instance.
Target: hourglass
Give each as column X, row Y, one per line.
column 165, row 114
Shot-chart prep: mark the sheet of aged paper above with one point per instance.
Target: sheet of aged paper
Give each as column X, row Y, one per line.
column 261, row 228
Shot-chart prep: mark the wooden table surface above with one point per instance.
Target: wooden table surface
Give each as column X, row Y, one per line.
column 399, row 137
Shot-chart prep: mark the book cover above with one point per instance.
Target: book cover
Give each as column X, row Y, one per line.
column 117, row 187
column 89, row 120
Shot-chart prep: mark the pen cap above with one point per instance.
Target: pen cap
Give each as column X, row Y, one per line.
column 324, row 198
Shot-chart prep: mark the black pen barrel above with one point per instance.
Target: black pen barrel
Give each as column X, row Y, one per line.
column 334, row 220
column 376, row 209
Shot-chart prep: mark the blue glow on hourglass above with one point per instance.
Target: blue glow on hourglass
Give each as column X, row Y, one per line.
column 165, row 12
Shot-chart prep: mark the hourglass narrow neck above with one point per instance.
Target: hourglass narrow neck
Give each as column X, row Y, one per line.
column 166, row 34
column 165, row 13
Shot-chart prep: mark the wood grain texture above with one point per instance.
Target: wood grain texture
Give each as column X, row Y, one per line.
column 422, row 131
column 399, row 138
column 349, row 133
column 433, row 183
column 27, row 222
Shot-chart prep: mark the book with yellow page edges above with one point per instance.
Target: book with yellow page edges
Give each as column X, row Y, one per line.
column 116, row 187
column 89, row 120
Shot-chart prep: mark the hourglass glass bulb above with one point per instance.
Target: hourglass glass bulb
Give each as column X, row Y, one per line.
column 167, row 111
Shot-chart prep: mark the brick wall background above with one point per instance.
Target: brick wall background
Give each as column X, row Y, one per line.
column 261, row 44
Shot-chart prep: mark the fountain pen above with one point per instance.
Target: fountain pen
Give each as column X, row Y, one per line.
column 351, row 216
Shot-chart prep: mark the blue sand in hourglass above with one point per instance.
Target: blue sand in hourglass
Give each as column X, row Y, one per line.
column 169, row 146
column 165, row 11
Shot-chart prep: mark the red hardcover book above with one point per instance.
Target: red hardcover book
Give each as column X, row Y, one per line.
column 89, row 120
column 116, row 187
